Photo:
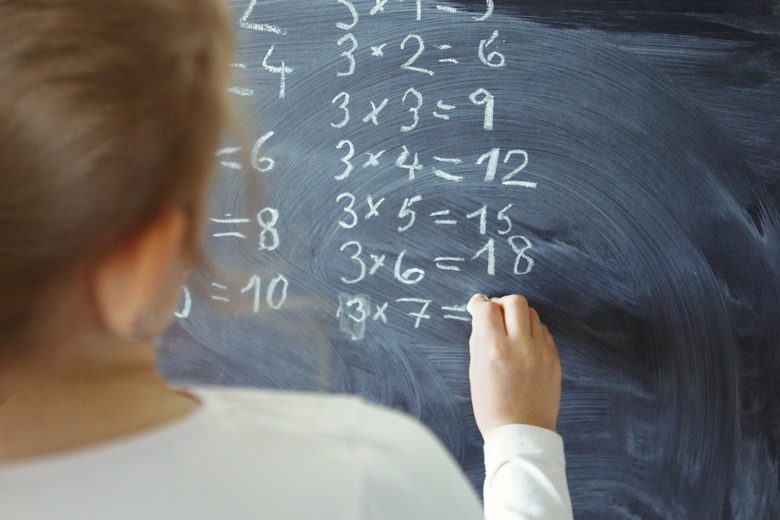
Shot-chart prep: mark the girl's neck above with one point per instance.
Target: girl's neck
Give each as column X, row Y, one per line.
column 55, row 411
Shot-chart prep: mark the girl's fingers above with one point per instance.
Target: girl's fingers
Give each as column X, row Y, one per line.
column 536, row 324
column 516, row 315
column 487, row 319
column 548, row 337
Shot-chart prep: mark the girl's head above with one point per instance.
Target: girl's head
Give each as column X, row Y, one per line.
column 110, row 112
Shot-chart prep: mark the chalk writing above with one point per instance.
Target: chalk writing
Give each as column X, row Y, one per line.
column 415, row 110
column 349, row 209
column 356, row 258
column 344, row 97
column 413, row 166
column 373, row 207
column 241, row 91
column 186, row 304
column 407, row 211
column 229, row 220
column 246, row 24
column 379, row 7
column 346, row 159
column 375, row 110
column 499, row 248
column 492, row 166
column 353, row 13
column 233, row 165
column 281, row 69
column 483, row 97
column 352, row 313
column 261, row 163
column 276, row 292
column 420, row 48
column 490, row 250
column 443, row 174
column 267, row 219
column 373, row 158
column 521, row 256
column 355, row 311
column 419, row 9
column 419, row 315
column 269, row 235
column 488, row 12
column 494, row 59
column 348, row 54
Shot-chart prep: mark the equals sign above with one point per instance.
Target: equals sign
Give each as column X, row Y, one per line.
column 446, row 48
column 455, row 308
column 443, row 222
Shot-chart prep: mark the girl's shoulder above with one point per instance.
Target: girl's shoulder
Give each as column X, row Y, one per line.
column 309, row 414
column 273, row 453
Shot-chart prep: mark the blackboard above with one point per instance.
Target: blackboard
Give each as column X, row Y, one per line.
column 616, row 162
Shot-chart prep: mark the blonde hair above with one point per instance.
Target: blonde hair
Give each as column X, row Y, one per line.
column 110, row 111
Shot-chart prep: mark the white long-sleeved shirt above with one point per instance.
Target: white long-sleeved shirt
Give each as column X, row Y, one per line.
column 249, row 454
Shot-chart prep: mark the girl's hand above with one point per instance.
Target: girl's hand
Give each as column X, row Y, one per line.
column 515, row 372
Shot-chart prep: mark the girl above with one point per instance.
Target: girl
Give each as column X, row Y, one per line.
column 109, row 115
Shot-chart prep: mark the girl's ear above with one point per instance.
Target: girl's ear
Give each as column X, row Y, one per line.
column 136, row 277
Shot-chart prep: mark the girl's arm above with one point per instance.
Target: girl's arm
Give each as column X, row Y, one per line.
column 515, row 379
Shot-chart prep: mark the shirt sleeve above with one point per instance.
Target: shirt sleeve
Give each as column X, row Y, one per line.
column 525, row 474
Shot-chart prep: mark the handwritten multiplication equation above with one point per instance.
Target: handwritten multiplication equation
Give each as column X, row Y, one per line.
column 407, row 216
column 350, row 48
column 423, row 60
column 410, row 110
column 356, row 311
column 361, row 263
column 514, row 162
